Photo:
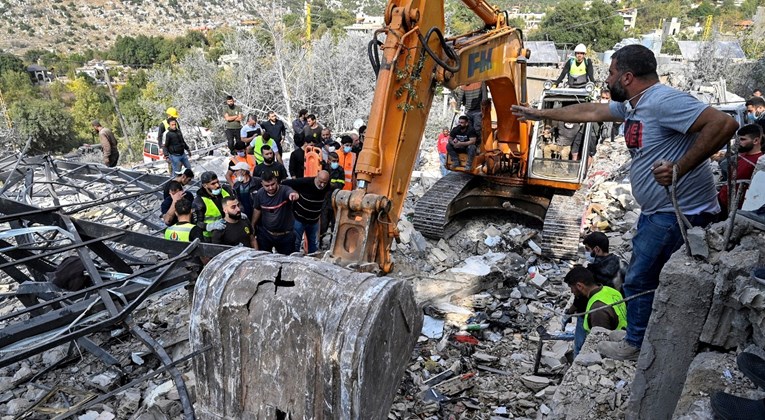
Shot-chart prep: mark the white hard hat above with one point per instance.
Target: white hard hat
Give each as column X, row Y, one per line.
column 358, row 123
column 580, row 49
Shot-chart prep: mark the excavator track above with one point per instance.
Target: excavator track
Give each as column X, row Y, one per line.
column 562, row 226
column 433, row 210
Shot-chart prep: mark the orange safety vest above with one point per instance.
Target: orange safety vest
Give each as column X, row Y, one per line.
column 248, row 159
column 347, row 161
column 312, row 161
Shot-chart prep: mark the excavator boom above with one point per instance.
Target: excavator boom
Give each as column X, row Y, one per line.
column 414, row 57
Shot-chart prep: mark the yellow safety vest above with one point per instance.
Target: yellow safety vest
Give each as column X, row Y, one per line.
column 608, row 295
column 578, row 69
column 212, row 213
column 257, row 143
column 179, row 232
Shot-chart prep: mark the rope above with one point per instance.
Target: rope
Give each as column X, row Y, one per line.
column 682, row 221
column 579, row 314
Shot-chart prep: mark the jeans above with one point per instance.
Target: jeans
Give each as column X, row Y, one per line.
column 284, row 244
column 471, row 151
column 442, row 158
column 178, row 160
column 312, row 233
column 658, row 237
column 579, row 335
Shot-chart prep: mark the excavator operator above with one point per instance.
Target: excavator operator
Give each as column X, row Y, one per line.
column 579, row 69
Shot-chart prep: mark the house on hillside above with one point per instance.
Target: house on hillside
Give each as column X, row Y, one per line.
column 365, row 25
column 40, row 74
column 630, row 17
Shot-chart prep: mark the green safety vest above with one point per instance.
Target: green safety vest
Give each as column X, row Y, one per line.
column 608, row 295
column 179, row 232
column 211, row 212
column 578, row 69
column 257, row 143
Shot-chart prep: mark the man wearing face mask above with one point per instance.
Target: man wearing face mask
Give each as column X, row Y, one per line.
column 347, row 161
column 327, row 144
column 238, row 230
column 241, row 156
column 244, row 186
column 606, row 268
column 270, row 165
column 669, row 132
column 755, row 111
column 208, row 204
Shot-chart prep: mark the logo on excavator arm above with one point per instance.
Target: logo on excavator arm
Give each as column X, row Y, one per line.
column 479, row 61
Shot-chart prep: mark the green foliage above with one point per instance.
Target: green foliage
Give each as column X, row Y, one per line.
column 669, row 46
column 705, row 9
column 652, row 14
column 90, row 102
column 16, row 86
column 597, row 27
column 144, row 51
column 749, row 7
column 459, row 19
column 9, row 62
column 47, row 121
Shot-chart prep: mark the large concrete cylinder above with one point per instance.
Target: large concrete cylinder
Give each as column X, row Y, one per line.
column 296, row 338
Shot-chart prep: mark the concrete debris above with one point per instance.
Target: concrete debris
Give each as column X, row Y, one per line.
column 106, row 381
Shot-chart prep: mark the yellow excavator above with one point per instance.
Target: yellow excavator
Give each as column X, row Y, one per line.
column 410, row 61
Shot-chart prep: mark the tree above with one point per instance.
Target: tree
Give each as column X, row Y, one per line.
column 47, row 122
column 9, row 62
column 16, row 86
column 604, row 28
column 89, row 104
column 564, row 24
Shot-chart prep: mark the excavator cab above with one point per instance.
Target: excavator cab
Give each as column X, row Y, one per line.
column 558, row 151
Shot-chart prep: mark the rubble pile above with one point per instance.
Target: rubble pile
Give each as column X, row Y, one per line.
column 78, row 375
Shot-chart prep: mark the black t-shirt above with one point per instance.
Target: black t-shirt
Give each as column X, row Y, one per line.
column 234, row 234
column 308, row 207
column 277, row 168
column 275, row 130
column 275, row 211
column 461, row 133
column 297, row 163
column 168, row 201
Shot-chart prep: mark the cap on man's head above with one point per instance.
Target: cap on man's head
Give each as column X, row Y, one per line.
column 239, row 145
column 208, row 176
column 187, row 172
column 241, row 166
column 95, row 123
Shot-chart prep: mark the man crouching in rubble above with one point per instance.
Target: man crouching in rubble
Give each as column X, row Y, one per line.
column 667, row 130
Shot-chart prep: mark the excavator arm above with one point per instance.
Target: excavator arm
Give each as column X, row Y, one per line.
column 413, row 57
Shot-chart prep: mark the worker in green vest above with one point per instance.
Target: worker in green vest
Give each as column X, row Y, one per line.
column 588, row 296
column 208, row 204
column 578, row 69
column 183, row 230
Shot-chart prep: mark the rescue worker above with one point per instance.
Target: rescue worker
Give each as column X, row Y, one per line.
column 171, row 113
column 578, row 69
column 175, row 147
column 241, row 156
column 347, row 161
column 238, row 230
column 269, row 164
column 183, row 230
column 584, row 287
column 256, row 146
column 208, row 204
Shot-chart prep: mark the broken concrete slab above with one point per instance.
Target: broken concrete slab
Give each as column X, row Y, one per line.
column 335, row 354
column 680, row 308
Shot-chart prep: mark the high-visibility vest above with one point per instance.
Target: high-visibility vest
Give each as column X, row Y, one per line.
column 347, row 161
column 608, row 295
column 248, row 159
column 578, row 69
column 256, row 144
column 211, row 212
column 179, row 232
column 312, row 161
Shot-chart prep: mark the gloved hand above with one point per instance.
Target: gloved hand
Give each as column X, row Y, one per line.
column 219, row 224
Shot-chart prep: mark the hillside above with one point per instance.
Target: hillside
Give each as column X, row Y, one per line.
column 68, row 25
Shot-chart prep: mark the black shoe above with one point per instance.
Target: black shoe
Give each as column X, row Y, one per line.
column 731, row 407
column 753, row 367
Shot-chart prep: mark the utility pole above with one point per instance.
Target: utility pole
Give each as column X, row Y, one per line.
column 308, row 21
column 121, row 118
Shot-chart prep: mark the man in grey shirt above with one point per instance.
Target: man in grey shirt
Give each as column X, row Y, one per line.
column 666, row 130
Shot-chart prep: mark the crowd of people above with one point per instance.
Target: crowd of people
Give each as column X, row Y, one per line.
column 260, row 203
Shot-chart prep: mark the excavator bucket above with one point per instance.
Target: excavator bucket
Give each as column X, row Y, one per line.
column 297, row 338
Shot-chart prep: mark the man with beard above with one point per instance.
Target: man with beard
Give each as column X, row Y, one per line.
column 270, row 165
column 749, row 151
column 233, row 116
column 462, row 139
column 276, row 129
column 238, row 230
column 669, row 132
column 755, row 111
column 272, row 216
